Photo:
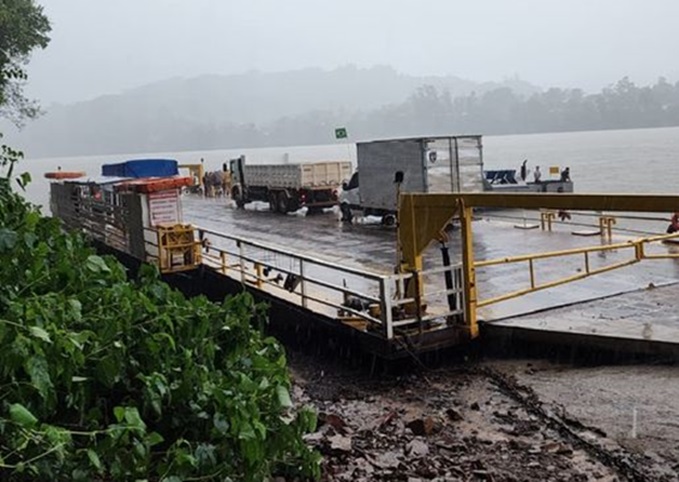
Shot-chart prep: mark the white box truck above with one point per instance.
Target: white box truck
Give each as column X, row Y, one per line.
column 442, row 164
column 288, row 187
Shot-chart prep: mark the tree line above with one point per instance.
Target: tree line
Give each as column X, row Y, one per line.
column 501, row 111
column 141, row 122
column 432, row 111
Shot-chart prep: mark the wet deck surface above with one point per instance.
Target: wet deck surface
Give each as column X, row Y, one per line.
column 647, row 315
column 616, row 303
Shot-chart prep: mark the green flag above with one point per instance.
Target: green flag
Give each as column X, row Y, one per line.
column 341, row 133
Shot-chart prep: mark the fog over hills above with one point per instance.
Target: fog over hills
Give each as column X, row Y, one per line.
column 262, row 97
column 304, row 107
column 205, row 74
column 183, row 113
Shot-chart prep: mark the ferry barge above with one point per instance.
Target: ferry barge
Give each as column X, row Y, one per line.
column 394, row 294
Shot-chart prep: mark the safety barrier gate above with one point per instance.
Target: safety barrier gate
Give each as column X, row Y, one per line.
column 423, row 218
column 637, row 247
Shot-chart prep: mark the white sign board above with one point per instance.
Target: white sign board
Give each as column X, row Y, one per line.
column 164, row 207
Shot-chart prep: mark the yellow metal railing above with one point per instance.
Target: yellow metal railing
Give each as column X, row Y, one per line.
column 424, row 217
column 639, row 254
column 326, row 287
column 546, row 219
column 606, row 222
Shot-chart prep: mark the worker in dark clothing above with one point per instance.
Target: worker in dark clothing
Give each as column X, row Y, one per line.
column 563, row 214
column 566, row 175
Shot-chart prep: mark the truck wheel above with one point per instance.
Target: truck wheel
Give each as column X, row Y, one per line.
column 346, row 213
column 236, row 196
column 389, row 220
column 282, row 203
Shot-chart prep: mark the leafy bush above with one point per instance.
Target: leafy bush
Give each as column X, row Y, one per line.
column 103, row 378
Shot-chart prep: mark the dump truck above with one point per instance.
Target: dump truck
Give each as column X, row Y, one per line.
column 288, row 187
column 442, row 164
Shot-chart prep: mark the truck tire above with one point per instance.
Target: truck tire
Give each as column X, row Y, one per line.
column 347, row 217
column 389, row 219
column 236, row 196
column 282, row 201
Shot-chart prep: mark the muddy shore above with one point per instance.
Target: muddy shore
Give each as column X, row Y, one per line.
column 493, row 420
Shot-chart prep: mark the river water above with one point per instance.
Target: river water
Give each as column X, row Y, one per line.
column 617, row 161
column 625, row 161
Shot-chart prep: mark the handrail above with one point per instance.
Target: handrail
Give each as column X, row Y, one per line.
column 320, row 285
column 553, row 254
column 318, row 261
column 323, row 285
column 307, row 278
column 319, row 290
column 636, row 244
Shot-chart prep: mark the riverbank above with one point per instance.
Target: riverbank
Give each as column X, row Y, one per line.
column 496, row 420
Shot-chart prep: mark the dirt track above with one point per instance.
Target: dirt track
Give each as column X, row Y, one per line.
column 494, row 421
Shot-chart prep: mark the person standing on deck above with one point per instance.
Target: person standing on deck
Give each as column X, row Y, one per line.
column 674, row 224
column 537, row 175
column 563, row 214
column 566, row 175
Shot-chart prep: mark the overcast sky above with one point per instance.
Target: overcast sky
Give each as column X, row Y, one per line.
column 105, row 46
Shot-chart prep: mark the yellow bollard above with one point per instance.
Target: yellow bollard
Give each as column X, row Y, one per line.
column 606, row 225
column 546, row 218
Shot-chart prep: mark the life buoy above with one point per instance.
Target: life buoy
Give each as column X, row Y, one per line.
column 149, row 185
column 64, row 174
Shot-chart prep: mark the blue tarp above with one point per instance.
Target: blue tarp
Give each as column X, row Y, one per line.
column 142, row 168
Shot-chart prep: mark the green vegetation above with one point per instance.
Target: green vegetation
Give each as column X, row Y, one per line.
column 24, row 28
column 103, row 378
column 503, row 111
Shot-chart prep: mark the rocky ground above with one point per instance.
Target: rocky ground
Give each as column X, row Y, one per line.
column 487, row 421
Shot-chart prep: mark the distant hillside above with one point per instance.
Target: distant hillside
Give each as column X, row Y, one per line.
column 213, row 111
